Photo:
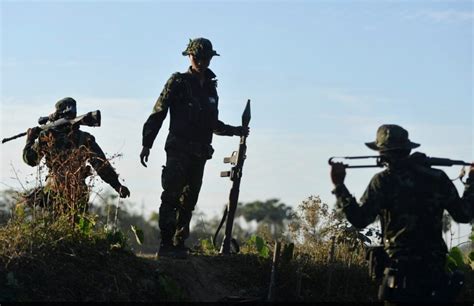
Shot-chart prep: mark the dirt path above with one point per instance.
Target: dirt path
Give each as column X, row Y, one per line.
column 215, row 278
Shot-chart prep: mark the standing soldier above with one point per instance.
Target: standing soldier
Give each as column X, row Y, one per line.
column 409, row 197
column 192, row 100
column 67, row 150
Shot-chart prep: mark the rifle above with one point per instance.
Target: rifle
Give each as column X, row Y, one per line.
column 235, row 174
column 89, row 119
column 417, row 157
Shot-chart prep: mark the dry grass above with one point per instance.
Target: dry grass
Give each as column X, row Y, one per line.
column 48, row 261
column 53, row 250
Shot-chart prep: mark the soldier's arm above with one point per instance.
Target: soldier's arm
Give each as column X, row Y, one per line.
column 364, row 214
column 101, row 165
column 32, row 152
column 223, row 129
column 460, row 208
column 154, row 122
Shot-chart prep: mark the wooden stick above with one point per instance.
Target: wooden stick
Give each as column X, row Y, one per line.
column 273, row 276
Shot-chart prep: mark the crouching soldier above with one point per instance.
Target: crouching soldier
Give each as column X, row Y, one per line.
column 67, row 151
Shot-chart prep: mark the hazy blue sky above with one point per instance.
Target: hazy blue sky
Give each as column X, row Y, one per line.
column 322, row 76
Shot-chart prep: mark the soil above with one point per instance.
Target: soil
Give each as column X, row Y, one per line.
column 201, row 278
column 120, row 276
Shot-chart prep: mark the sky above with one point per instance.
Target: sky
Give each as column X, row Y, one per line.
column 322, row 76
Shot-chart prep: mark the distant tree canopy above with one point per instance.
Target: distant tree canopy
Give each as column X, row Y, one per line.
column 271, row 210
column 271, row 213
column 8, row 199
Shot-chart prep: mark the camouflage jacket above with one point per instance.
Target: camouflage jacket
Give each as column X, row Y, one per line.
column 67, row 154
column 409, row 199
column 193, row 110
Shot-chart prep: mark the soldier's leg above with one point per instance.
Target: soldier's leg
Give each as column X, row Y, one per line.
column 173, row 180
column 189, row 199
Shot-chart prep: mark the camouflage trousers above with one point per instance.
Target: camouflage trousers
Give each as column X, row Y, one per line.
column 181, row 180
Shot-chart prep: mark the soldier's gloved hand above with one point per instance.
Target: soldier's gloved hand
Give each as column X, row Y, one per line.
column 242, row 131
column 32, row 133
column 123, row 191
column 144, row 155
column 338, row 173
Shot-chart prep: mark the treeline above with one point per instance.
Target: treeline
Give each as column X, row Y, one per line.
column 270, row 220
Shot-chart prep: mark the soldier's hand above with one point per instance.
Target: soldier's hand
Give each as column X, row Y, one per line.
column 123, row 191
column 144, row 155
column 338, row 173
column 33, row 133
column 242, row 131
column 471, row 172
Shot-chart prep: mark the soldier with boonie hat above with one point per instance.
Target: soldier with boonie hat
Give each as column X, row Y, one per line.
column 409, row 198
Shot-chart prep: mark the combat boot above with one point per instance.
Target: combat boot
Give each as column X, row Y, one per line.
column 180, row 250
column 166, row 250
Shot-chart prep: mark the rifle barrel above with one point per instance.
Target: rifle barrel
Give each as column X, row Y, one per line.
column 89, row 119
column 377, row 165
column 435, row 161
column 13, row 137
column 431, row 161
column 364, row 166
column 359, row 157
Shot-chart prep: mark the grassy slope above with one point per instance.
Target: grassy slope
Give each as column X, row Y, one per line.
column 49, row 262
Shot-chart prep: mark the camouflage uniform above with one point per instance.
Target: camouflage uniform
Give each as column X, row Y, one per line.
column 67, row 151
column 409, row 198
column 194, row 119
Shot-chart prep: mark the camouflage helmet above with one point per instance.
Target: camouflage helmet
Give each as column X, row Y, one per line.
column 391, row 137
column 200, row 47
column 65, row 108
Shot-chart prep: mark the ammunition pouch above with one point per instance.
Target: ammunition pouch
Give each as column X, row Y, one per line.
column 378, row 260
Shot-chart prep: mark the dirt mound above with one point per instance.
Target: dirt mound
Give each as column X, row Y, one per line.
column 104, row 275
column 201, row 278
column 100, row 274
column 75, row 276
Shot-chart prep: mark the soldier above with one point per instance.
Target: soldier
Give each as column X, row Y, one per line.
column 192, row 100
column 67, row 150
column 409, row 197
